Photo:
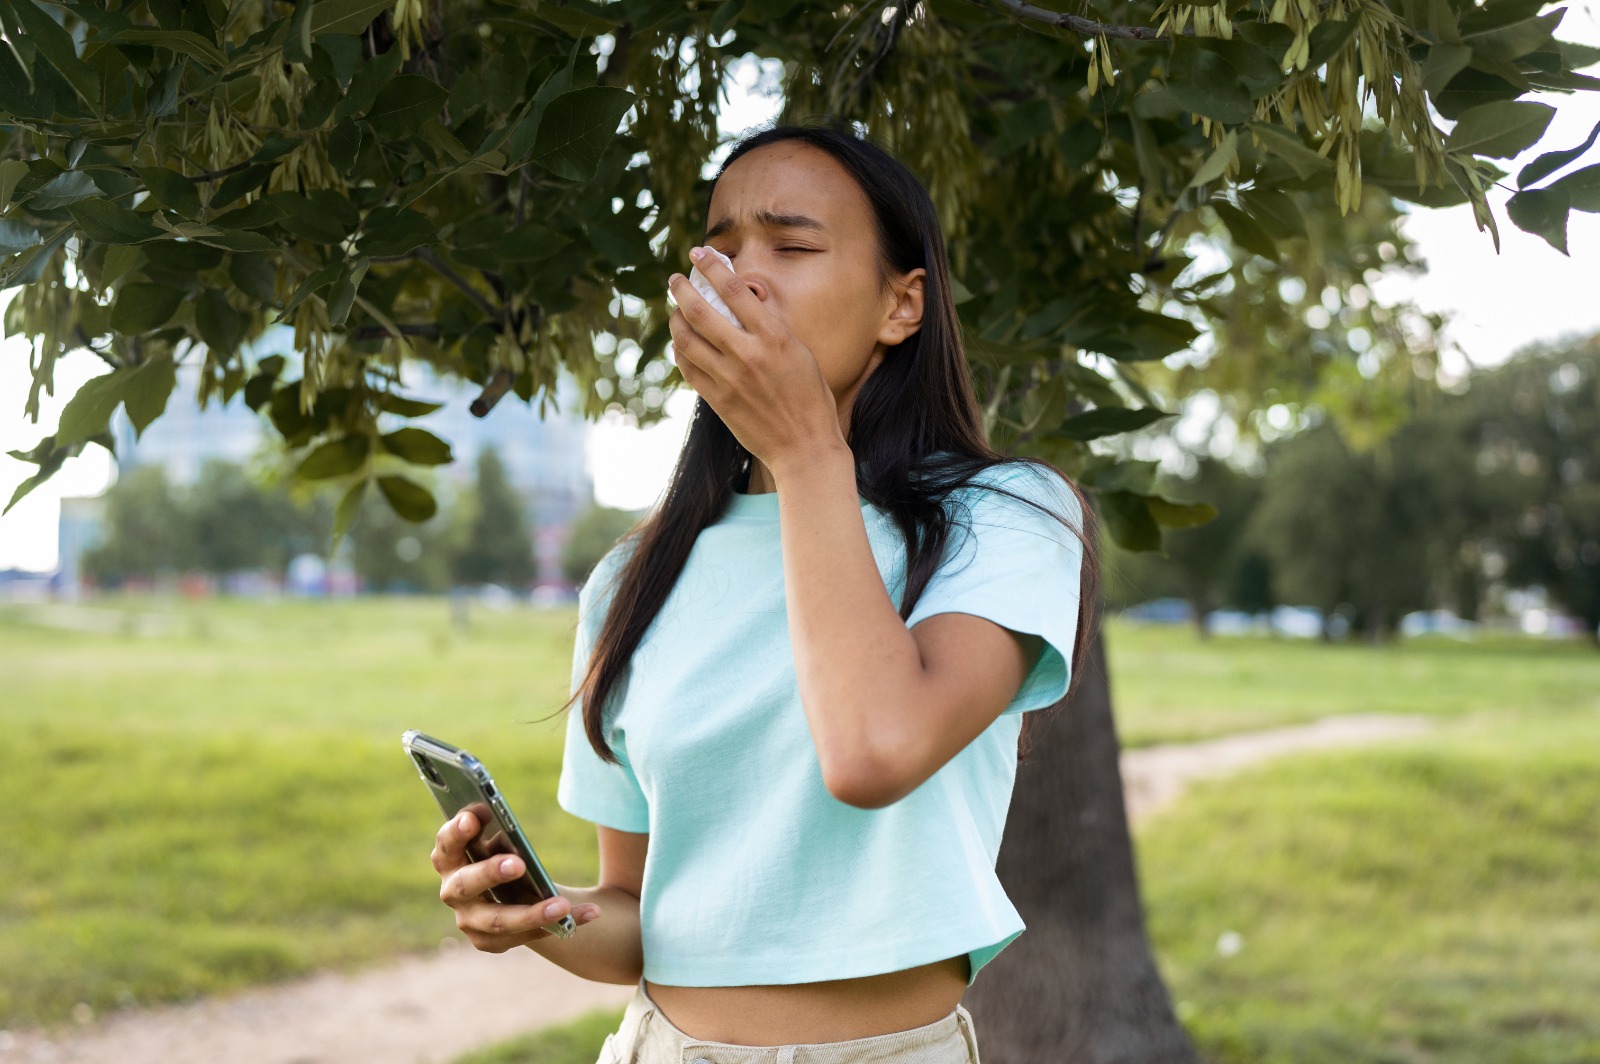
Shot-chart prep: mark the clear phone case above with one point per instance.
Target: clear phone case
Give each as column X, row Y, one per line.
column 460, row 781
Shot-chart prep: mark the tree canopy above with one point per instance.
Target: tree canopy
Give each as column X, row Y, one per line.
column 492, row 191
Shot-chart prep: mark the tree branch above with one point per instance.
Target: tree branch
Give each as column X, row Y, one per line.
column 1082, row 26
column 378, row 332
column 460, row 282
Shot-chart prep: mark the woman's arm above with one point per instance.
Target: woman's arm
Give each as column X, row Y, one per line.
column 604, row 950
column 607, row 951
column 887, row 706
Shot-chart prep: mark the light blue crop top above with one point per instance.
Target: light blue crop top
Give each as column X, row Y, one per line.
column 755, row 873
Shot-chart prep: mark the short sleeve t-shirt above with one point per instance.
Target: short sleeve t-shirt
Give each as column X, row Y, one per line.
column 755, row 874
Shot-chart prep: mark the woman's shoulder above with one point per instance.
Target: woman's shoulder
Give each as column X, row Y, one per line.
column 601, row 581
column 1036, row 483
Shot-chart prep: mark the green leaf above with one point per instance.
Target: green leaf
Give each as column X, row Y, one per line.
column 56, row 46
column 577, row 128
column 404, row 104
column 104, row 221
column 1105, row 421
column 417, row 445
column 727, row 14
column 324, row 276
column 184, row 41
column 1128, row 520
column 346, row 16
column 322, row 215
column 64, row 188
column 219, row 324
column 1500, row 129
column 399, row 404
column 1550, row 162
column 16, row 236
column 1288, row 146
column 1169, row 514
column 142, row 306
column 1444, row 62
column 1582, row 189
column 11, row 171
column 1515, row 40
column 344, row 291
column 1204, row 83
column 1246, row 231
column 1543, row 212
column 369, row 79
column 394, row 231
column 335, row 458
column 297, row 46
column 1276, row 210
column 89, row 411
column 50, row 457
column 408, row 498
column 255, row 275
column 146, row 390
column 171, row 189
column 345, row 513
column 1218, row 162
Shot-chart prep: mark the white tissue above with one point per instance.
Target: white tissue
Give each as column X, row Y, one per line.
column 705, row 288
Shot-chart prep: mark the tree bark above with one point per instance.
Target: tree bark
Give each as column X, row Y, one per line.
column 1080, row 986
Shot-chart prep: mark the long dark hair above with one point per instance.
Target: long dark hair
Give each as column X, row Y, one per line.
column 916, row 413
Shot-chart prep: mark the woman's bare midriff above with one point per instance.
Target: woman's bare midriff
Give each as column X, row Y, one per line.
column 836, row 1010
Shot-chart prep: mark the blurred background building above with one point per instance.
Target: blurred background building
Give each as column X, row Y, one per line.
column 546, row 460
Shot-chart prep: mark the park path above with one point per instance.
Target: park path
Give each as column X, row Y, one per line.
column 431, row 1009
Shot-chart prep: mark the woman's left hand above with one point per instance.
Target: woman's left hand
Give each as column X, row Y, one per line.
column 761, row 380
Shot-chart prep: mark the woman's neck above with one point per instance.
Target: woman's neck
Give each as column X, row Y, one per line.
column 761, row 481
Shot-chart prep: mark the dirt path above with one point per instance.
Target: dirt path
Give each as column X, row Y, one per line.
column 428, row 1010
column 1154, row 776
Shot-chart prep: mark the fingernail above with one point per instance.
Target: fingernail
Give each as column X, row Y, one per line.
column 508, row 866
column 553, row 910
column 675, row 278
column 697, row 253
column 461, row 822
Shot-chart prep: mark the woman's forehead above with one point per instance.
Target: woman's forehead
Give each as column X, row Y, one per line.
column 785, row 189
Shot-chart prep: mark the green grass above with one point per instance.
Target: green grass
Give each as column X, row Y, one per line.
column 231, row 805
column 228, row 805
column 1169, row 686
column 1433, row 901
column 577, row 1042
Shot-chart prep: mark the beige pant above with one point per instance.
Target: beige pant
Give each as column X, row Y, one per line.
column 647, row 1037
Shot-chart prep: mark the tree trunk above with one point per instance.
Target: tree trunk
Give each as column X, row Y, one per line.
column 1080, row 986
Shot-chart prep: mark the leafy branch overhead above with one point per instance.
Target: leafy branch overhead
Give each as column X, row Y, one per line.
column 499, row 191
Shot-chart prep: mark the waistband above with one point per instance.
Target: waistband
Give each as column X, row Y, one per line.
column 643, row 1018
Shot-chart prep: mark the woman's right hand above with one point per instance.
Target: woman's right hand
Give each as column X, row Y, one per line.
column 489, row 925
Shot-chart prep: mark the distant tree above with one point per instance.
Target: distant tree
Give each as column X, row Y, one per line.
column 498, row 546
column 145, row 533
column 1538, row 420
column 595, row 531
column 1208, row 558
column 238, row 522
column 1363, row 529
column 393, row 554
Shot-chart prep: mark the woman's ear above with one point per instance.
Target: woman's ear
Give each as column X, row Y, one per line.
column 905, row 317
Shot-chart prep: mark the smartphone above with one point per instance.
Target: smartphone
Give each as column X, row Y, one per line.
column 459, row 781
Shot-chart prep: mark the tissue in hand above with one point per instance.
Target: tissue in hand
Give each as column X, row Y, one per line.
column 706, row 289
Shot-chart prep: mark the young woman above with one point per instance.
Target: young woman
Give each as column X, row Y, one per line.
column 813, row 657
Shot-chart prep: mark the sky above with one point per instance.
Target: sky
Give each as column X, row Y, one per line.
column 1495, row 304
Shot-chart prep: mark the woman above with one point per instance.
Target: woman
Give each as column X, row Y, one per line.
column 814, row 656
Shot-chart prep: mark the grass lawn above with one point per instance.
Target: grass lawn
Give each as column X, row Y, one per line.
column 1169, row 686
column 231, row 805
column 1435, row 901
column 228, row 804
